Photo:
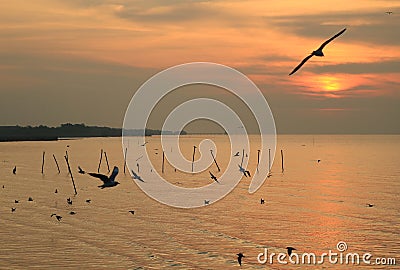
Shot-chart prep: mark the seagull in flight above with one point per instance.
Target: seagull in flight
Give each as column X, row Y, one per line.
column 80, row 170
column 289, row 250
column 389, row 12
column 108, row 181
column 213, row 177
column 57, row 217
column 246, row 173
column 317, row 52
column 239, row 258
column 136, row 176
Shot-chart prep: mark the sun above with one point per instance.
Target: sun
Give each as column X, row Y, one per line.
column 330, row 83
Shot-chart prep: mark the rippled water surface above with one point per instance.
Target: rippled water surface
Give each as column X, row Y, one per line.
column 310, row 206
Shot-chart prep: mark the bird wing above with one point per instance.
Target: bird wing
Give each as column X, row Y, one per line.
column 80, row 170
column 135, row 176
column 114, row 174
column 102, row 177
column 299, row 65
column 332, row 38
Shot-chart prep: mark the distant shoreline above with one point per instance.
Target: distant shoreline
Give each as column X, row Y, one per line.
column 70, row 131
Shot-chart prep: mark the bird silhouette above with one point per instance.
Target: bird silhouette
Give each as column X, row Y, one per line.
column 317, row 52
column 30, row 199
column 72, row 213
column 132, row 212
column 370, row 205
column 213, row 177
column 246, row 173
column 80, row 170
column 108, row 181
column 239, row 258
column 236, row 155
column 57, row 217
column 206, row 202
column 15, row 170
column 16, row 201
column 13, row 209
column 389, row 12
column 262, row 201
column 289, row 250
column 88, row 200
column 136, row 176
column 69, row 201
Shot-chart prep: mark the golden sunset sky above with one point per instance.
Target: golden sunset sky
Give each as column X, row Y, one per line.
column 82, row 60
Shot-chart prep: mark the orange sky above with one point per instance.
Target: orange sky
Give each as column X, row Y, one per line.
column 262, row 39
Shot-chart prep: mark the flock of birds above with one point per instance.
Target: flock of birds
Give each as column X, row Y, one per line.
column 109, row 181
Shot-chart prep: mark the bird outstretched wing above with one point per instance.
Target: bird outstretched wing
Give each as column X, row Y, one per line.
column 114, row 174
column 136, row 176
column 102, row 177
column 301, row 64
column 213, row 177
column 332, row 38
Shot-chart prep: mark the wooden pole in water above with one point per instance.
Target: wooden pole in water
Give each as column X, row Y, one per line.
column 126, row 151
column 163, row 160
column 194, row 152
column 55, row 160
column 69, row 170
column 43, row 160
column 258, row 158
column 138, row 167
column 241, row 165
column 101, row 157
column 215, row 161
column 108, row 166
column 269, row 160
column 282, row 160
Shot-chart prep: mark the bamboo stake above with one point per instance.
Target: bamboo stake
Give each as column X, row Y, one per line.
column 194, row 152
column 258, row 158
column 108, row 166
column 55, row 160
column 43, row 160
column 215, row 161
column 126, row 151
column 163, row 160
column 101, row 157
column 269, row 160
column 69, row 170
column 241, row 164
column 282, row 160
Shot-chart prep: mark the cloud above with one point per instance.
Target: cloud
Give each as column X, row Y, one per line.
column 360, row 68
column 363, row 26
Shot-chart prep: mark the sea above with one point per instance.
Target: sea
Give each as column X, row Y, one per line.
column 335, row 200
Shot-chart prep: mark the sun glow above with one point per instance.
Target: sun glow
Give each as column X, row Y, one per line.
column 330, row 84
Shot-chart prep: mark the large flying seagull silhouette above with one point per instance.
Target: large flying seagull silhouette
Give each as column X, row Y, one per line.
column 317, row 52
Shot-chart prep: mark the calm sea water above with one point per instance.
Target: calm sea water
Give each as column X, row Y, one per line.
column 310, row 206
